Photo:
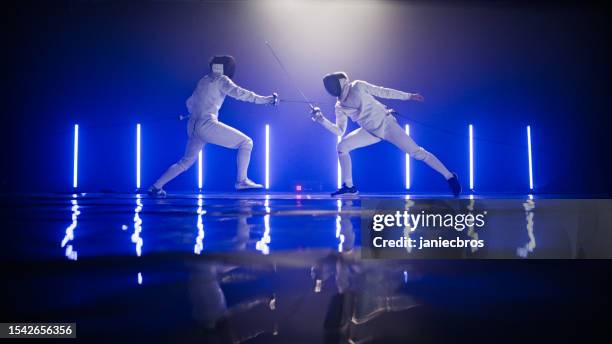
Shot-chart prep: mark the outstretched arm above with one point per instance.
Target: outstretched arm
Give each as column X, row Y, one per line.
column 388, row 93
column 338, row 128
column 237, row 92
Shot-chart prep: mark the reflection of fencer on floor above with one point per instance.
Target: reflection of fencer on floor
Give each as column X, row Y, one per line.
column 223, row 321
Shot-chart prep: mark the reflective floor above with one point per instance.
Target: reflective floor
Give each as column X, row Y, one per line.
column 286, row 268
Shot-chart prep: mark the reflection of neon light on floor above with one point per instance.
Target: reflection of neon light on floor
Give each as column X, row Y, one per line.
column 408, row 229
column 70, row 252
column 339, row 234
column 263, row 244
column 529, row 247
column 473, row 234
column 199, row 246
column 136, row 239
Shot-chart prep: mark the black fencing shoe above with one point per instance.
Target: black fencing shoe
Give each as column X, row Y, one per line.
column 346, row 191
column 453, row 184
column 155, row 192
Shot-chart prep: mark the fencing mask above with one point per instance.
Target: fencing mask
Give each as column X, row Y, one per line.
column 223, row 64
column 334, row 82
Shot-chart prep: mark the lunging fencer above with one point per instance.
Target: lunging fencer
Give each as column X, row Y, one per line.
column 356, row 100
column 204, row 127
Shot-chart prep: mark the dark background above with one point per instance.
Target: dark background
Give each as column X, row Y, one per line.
column 108, row 65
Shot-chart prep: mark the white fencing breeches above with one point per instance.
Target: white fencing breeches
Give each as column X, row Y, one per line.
column 210, row 130
column 392, row 133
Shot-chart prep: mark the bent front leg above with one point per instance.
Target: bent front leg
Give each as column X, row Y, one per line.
column 223, row 135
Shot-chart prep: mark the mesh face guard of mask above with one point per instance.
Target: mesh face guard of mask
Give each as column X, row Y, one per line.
column 223, row 64
column 334, row 82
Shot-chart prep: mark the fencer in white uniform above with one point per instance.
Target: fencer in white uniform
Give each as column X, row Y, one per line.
column 204, row 126
column 356, row 100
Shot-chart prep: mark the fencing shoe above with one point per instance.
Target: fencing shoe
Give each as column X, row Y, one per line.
column 453, row 184
column 155, row 192
column 247, row 184
column 345, row 191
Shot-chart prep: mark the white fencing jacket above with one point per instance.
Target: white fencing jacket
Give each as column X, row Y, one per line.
column 357, row 102
column 210, row 93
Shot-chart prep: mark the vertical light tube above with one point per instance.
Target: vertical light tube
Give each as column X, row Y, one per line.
column 267, row 156
column 339, row 181
column 530, row 161
column 138, row 156
column 200, row 170
column 76, row 157
column 471, row 158
column 407, row 162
